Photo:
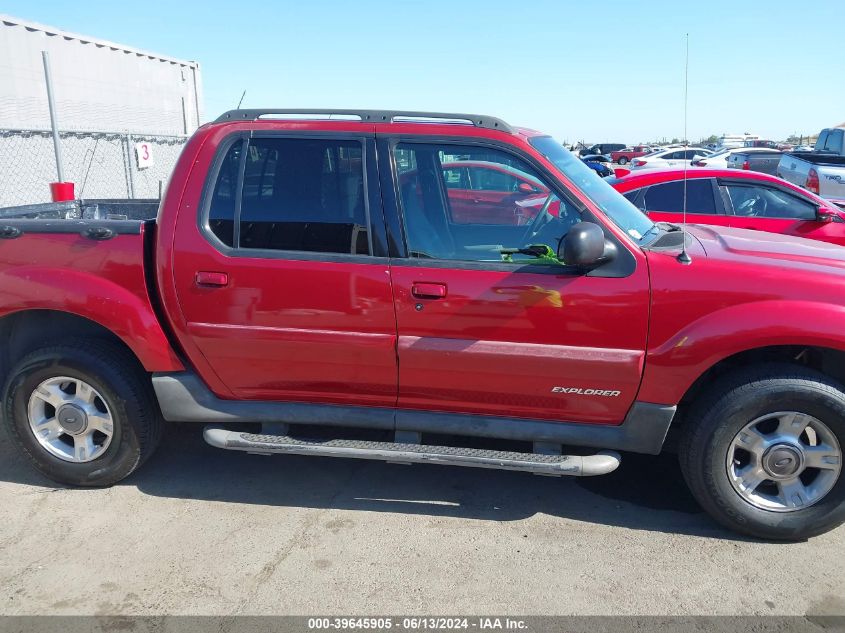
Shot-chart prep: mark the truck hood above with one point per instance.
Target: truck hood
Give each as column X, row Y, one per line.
column 748, row 246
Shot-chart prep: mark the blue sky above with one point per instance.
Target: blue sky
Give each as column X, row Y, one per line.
column 598, row 70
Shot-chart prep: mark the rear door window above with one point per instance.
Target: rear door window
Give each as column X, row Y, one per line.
column 221, row 212
column 669, row 197
column 291, row 194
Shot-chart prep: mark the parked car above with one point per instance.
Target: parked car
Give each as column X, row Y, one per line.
column 756, row 159
column 735, row 140
column 599, row 164
column 626, row 155
column 719, row 158
column 295, row 278
column 481, row 189
column 739, row 199
column 821, row 171
column 602, row 148
column 671, row 157
column 757, row 142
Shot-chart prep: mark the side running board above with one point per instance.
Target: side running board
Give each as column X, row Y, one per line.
column 572, row 465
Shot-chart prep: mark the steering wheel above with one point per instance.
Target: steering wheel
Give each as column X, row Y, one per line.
column 540, row 220
column 753, row 207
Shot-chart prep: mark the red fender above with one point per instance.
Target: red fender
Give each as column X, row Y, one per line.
column 675, row 364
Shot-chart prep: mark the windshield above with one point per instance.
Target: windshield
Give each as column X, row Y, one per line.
column 624, row 214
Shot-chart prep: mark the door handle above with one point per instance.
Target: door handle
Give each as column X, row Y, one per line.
column 428, row 290
column 210, row 279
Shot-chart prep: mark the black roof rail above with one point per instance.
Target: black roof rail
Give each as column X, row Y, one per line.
column 372, row 116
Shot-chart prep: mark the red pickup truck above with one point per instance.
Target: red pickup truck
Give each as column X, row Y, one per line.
column 625, row 156
column 305, row 273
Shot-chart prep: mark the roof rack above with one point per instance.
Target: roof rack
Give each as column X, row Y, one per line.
column 373, row 116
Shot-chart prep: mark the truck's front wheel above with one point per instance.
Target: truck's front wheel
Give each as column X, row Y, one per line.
column 81, row 412
column 763, row 452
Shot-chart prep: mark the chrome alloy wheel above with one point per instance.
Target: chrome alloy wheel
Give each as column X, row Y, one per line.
column 70, row 419
column 784, row 461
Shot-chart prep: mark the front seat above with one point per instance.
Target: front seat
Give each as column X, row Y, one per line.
column 424, row 240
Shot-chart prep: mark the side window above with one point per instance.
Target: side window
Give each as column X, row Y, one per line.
column 443, row 222
column 834, row 141
column 221, row 212
column 456, row 178
column 491, row 178
column 765, row 202
column 669, row 197
column 303, row 195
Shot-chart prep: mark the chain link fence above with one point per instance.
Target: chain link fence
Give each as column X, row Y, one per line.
column 101, row 164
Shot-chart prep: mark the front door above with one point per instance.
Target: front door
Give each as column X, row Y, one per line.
column 281, row 292
column 486, row 330
column 770, row 208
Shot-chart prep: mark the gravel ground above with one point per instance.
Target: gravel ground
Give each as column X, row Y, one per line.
column 199, row 530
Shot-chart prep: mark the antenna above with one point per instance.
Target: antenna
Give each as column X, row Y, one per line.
column 684, row 257
column 241, row 101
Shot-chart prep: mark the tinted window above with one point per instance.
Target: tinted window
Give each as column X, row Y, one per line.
column 456, row 178
column 448, row 223
column 766, row 202
column 669, row 197
column 834, row 142
column 304, row 195
column 221, row 213
column 671, row 156
column 491, row 179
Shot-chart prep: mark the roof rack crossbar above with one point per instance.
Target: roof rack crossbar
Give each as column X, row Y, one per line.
column 372, row 116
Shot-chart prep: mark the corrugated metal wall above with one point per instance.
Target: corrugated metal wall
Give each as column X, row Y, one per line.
column 108, row 97
column 98, row 85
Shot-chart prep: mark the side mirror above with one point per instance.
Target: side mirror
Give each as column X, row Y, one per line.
column 584, row 246
column 527, row 188
column 825, row 214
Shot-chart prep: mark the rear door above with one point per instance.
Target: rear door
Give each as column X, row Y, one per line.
column 482, row 331
column 284, row 290
column 764, row 207
column 664, row 202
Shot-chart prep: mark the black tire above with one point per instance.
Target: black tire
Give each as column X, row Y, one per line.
column 623, row 160
column 117, row 376
column 723, row 410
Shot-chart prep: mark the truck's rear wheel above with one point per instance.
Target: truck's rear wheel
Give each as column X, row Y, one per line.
column 763, row 452
column 82, row 412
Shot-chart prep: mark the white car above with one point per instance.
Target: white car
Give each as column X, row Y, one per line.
column 672, row 157
column 719, row 159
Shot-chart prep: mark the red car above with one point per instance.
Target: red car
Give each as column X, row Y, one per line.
column 488, row 192
column 304, row 272
column 734, row 198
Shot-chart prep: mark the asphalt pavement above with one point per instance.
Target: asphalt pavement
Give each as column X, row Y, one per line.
column 200, row 530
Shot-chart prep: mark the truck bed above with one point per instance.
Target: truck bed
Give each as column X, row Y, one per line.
column 93, row 268
column 93, row 209
column 820, row 158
